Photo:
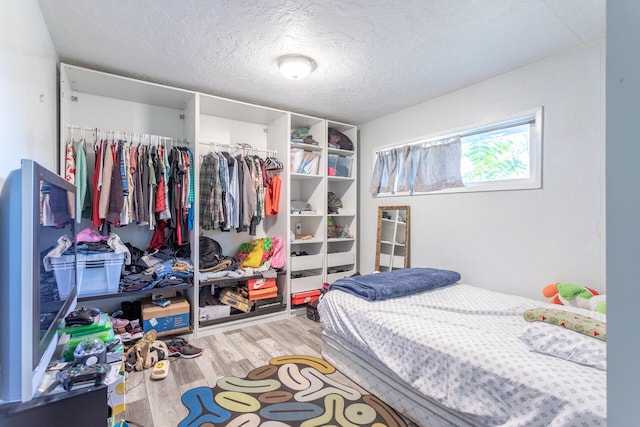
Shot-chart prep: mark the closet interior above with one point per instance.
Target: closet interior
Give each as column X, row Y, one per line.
column 187, row 157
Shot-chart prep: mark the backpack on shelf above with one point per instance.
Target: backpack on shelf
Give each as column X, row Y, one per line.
column 339, row 140
column 210, row 252
column 333, row 203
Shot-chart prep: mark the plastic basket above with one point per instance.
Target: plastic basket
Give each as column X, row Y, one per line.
column 98, row 274
column 339, row 165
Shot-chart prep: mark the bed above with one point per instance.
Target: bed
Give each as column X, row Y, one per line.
column 459, row 355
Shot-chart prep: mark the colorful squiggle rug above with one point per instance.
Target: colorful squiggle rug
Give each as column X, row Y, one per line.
column 289, row 391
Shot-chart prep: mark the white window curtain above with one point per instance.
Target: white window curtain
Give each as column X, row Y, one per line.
column 422, row 167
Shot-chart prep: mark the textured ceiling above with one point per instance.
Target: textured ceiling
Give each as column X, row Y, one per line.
column 373, row 57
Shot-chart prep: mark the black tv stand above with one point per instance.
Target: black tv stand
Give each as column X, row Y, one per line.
column 79, row 407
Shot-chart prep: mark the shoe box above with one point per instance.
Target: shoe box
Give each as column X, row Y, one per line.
column 268, row 303
column 210, row 312
column 168, row 320
column 235, row 299
column 312, row 311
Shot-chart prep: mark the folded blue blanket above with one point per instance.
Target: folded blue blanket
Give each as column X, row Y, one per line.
column 396, row 283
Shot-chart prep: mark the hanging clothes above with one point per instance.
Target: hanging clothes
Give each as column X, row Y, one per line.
column 115, row 199
column 192, row 191
column 69, row 162
column 81, row 178
column 95, row 211
column 128, row 183
column 206, row 188
column 107, row 172
column 272, row 199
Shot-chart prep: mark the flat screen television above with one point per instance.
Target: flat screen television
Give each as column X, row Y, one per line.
column 37, row 208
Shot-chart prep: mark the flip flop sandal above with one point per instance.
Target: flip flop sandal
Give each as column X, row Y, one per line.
column 147, row 339
column 141, row 349
column 151, row 358
column 160, row 370
column 161, row 348
column 157, row 351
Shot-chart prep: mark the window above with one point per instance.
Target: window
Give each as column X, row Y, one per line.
column 498, row 156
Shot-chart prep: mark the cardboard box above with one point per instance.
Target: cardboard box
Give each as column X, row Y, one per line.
column 168, row 320
column 235, row 300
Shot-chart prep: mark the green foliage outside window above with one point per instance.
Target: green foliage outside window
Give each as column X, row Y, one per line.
column 497, row 155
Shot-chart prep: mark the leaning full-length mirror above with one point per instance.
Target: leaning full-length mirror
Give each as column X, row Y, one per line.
column 392, row 245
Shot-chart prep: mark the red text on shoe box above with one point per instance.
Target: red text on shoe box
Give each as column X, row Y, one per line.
column 166, row 320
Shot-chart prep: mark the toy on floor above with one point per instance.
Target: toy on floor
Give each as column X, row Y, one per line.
column 575, row 296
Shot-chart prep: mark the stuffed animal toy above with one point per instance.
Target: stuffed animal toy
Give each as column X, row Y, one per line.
column 598, row 303
column 569, row 294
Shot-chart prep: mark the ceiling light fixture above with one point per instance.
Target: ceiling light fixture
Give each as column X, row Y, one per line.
column 296, row 67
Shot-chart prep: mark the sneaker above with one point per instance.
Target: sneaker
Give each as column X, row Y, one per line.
column 129, row 338
column 179, row 347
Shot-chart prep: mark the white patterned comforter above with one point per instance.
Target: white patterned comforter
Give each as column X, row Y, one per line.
column 460, row 346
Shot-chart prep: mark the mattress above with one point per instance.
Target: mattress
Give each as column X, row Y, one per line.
column 459, row 347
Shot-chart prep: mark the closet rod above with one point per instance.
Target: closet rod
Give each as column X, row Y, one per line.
column 239, row 146
column 136, row 135
column 80, row 127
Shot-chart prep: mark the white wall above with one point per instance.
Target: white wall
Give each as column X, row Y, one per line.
column 514, row 241
column 28, row 105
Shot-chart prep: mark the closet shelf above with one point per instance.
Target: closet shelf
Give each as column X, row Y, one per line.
column 340, row 178
column 302, row 176
column 227, row 281
column 341, row 152
column 305, row 242
column 136, row 294
column 239, row 316
column 307, row 147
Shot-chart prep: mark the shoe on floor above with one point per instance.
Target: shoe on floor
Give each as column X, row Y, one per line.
column 179, row 347
column 119, row 325
column 131, row 337
column 161, row 348
column 160, row 370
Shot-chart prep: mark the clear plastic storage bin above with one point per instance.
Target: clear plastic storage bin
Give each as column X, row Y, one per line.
column 339, row 165
column 98, row 274
column 303, row 161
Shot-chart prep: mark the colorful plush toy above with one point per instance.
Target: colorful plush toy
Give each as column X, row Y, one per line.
column 569, row 294
column 598, row 303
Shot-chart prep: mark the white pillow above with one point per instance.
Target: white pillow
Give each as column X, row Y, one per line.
column 566, row 344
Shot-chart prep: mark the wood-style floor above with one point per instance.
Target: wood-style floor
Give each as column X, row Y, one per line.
column 156, row 403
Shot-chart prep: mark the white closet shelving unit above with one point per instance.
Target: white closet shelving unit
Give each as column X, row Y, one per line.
column 94, row 99
column 307, row 207
column 341, row 254
column 323, row 245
